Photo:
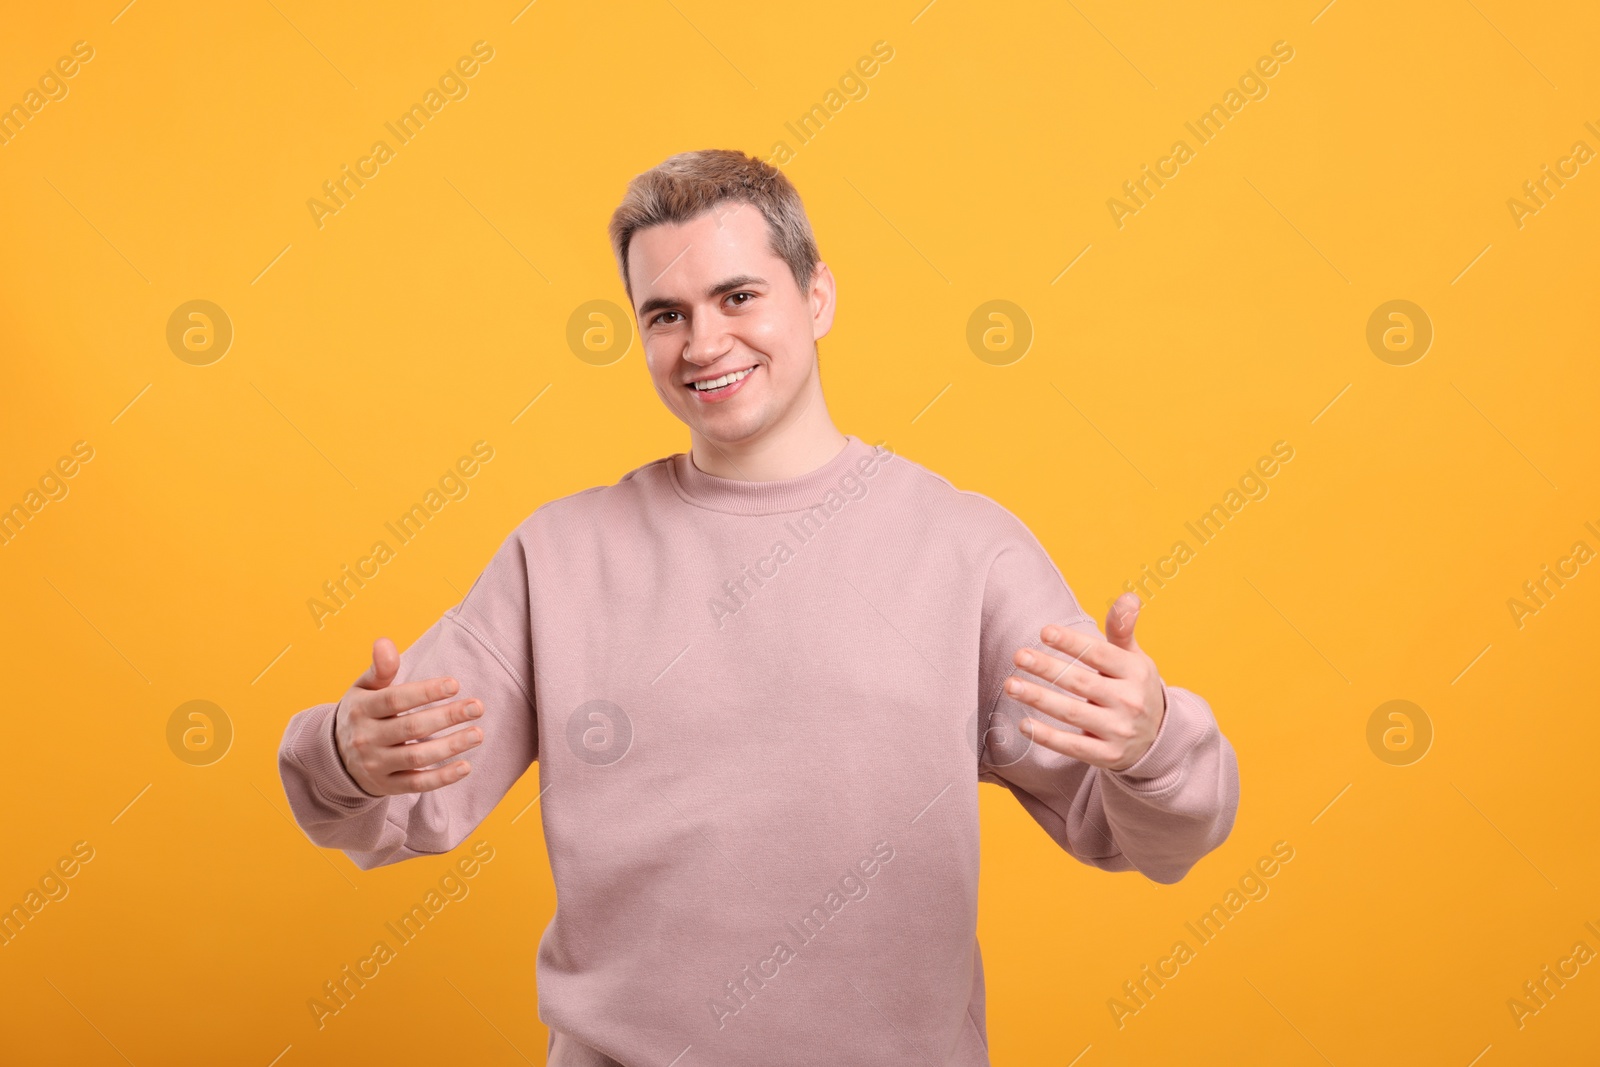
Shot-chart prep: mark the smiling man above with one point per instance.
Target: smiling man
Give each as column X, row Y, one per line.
column 762, row 681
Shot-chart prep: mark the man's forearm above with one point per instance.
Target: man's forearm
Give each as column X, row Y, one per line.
column 1179, row 801
column 326, row 801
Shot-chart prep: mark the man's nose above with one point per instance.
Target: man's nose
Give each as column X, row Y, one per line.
column 709, row 340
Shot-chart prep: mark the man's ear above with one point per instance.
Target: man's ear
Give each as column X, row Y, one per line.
column 823, row 298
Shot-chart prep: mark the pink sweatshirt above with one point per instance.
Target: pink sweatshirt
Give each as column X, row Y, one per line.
column 756, row 711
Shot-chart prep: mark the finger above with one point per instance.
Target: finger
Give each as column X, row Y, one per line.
column 385, row 665
column 1078, row 746
column 383, row 703
column 1072, row 675
column 418, row 725
column 1091, row 718
column 423, row 781
column 1120, row 619
column 1090, row 648
column 418, row 755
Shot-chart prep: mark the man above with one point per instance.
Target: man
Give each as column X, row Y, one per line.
column 762, row 681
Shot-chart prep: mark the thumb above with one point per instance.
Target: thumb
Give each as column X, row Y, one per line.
column 1120, row 619
column 385, row 665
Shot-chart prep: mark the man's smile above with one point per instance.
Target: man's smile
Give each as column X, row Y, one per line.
column 713, row 389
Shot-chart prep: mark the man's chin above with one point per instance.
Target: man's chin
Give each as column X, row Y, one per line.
column 735, row 432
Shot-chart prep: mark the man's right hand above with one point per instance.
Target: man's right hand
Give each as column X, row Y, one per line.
column 386, row 746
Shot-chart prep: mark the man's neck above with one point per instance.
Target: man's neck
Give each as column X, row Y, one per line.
column 787, row 453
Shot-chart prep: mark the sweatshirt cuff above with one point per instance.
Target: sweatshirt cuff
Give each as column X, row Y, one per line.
column 316, row 751
column 1162, row 765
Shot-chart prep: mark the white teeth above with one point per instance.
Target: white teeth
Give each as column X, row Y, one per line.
column 717, row 383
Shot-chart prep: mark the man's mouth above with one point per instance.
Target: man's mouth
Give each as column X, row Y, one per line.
column 717, row 386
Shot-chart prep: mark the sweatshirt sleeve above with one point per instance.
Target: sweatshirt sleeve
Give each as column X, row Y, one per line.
column 485, row 643
column 1158, row 816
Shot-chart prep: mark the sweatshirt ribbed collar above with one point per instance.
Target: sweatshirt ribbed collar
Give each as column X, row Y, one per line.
column 740, row 497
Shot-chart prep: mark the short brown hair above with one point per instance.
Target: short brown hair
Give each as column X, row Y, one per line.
column 689, row 184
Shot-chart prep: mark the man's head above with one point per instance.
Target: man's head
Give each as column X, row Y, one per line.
column 722, row 270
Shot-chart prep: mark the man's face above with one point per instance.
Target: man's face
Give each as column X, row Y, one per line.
column 712, row 299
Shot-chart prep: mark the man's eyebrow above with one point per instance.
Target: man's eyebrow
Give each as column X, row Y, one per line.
column 742, row 281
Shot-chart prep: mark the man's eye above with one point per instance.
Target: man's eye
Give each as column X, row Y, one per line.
column 661, row 316
column 741, row 303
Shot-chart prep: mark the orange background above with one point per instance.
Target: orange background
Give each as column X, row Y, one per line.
column 1230, row 312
